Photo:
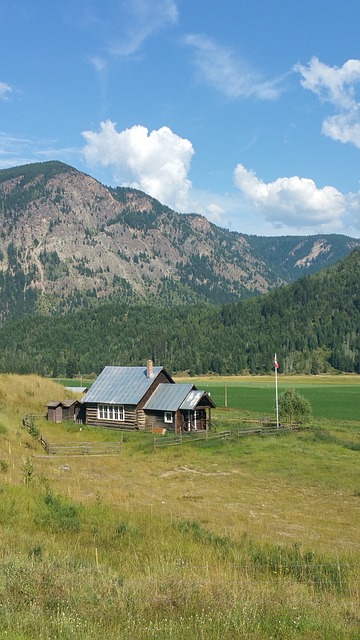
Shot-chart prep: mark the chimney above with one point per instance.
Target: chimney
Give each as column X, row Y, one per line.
column 149, row 369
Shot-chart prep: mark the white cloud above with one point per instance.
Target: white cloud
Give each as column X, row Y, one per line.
column 336, row 85
column 344, row 127
column 146, row 17
column 5, row 90
column 333, row 84
column 293, row 202
column 157, row 162
column 215, row 212
column 219, row 67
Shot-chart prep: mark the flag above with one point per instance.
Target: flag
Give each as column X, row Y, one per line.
column 276, row 364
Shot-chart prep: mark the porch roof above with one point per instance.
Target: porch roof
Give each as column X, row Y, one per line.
column 193, row 398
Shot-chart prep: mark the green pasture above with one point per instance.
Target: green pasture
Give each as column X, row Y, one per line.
column 74, row 382
column 330, row 400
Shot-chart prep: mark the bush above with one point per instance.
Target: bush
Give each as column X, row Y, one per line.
column 293, row 407
column 4, row 466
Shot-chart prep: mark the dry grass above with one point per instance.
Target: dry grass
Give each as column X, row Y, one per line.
column 178, row 542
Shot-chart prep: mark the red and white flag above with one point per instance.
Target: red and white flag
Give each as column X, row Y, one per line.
column 276, row 364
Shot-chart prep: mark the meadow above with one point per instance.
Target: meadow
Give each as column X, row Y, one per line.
column 331, row 397
column 252, row 538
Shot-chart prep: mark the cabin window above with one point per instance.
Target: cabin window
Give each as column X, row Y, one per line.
column 168, row 416
column 111, row 412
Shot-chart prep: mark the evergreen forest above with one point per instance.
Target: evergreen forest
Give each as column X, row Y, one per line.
column 312, row 324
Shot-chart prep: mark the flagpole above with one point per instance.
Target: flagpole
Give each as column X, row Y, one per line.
column 276, row 391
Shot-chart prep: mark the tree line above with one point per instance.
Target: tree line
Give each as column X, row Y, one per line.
column 312, row 324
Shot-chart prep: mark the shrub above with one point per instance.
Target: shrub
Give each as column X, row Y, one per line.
column 4, row 466
column 293, row 407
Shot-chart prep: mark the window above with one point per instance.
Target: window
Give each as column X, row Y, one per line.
column 168, row 416
column 111, row 412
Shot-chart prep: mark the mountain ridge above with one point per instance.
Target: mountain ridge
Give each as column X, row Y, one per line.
column 68, row 241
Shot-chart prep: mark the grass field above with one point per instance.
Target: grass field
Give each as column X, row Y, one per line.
column 331, row 397
column 256, row 538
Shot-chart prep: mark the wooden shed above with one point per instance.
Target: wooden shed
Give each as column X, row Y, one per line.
column 59, row 410
column 54, row 411
column 70, row 409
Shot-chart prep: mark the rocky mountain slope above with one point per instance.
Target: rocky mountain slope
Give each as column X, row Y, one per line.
column 68, row 241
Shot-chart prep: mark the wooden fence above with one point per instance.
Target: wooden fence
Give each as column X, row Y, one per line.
column 201, row 436
column 271, row 429
column 70, row 448
column 82, row 448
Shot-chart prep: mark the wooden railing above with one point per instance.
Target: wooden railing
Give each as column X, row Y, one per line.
column 194, row 437
column 271, row 429
column 70, row 448
column 82, row 448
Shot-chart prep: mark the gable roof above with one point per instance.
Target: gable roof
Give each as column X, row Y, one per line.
column 63, row 403
column 69, row 402
column 168, row 397
column 122, row 385
column 172, row 397
column 193, row 398
column 53, row 404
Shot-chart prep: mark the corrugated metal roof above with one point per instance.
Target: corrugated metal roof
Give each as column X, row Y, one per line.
column 121, row 385
column 168, row 397
column 192, row 399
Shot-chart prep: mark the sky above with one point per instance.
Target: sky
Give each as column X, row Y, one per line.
column 244, row 111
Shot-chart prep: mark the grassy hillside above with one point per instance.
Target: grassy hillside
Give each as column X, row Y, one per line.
column 254, row 539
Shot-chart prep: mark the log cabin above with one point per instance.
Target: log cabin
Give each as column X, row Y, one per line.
column 145, row 398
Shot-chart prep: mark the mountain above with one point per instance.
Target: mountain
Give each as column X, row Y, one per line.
column 68, row 241
column 312, row 324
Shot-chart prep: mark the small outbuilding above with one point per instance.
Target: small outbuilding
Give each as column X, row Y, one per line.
column 54, row 411
column 59, row 410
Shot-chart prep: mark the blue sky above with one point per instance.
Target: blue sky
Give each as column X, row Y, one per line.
column 246, row 111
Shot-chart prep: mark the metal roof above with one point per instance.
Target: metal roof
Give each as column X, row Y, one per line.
column 193, row 399
column 168, row 397
column 121, row 385
column 77, row 389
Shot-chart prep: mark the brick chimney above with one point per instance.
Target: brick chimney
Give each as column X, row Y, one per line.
column 149, row 369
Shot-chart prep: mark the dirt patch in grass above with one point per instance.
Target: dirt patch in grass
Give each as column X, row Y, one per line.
column 182, row 469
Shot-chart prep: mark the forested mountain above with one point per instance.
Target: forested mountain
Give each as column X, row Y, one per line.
column 312, row 324
column 68, row 242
